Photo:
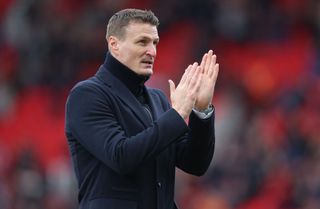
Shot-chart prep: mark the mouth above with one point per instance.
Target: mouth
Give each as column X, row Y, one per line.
column 149, row 63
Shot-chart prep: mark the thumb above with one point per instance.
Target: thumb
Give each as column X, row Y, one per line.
column 172, row 86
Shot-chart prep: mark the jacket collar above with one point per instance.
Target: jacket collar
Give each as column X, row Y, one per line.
column 124, row 91
column 130, row 79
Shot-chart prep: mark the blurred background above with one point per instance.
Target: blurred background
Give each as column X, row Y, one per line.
column 267, row 96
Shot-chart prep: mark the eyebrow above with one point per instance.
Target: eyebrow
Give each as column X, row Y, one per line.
column 147, row 37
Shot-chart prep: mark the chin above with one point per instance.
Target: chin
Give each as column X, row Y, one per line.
column 147, row 72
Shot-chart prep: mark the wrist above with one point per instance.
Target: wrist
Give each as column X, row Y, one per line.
column 182, row 113
column 207, row 108
column 204, row 114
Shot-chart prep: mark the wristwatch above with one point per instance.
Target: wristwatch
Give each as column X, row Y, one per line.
column 204, row 114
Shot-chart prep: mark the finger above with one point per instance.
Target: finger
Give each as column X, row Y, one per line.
column 214, row 59
column 195, row 76
column 185, row 75
column 196, row 81
column 215, row 73
column 172, row 86
column 208, row 62
column 203, row 61
column 199, row 80
column 212, row 65
column 191, row 73
column 212, row 72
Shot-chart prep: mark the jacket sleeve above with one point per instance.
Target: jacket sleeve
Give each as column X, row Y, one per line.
column 90, row 120
column 195, row 150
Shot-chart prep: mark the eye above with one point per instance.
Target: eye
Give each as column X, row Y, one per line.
column 142, row 42
column 155, row 42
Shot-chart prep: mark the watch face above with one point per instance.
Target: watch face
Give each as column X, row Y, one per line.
column 209, row 109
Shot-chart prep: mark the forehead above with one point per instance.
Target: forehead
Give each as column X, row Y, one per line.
column 137, row 29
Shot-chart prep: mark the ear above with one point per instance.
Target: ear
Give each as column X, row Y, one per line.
column 113, row 44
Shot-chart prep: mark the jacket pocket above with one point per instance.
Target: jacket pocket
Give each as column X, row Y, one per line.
column 112, row 203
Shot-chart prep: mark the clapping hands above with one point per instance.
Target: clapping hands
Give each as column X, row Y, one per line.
column 196, row 87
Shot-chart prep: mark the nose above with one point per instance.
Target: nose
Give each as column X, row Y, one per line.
column 152, row 50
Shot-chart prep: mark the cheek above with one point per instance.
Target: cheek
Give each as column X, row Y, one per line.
column 131, row 55
column 134, row 55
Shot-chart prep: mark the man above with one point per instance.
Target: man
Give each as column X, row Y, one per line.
column 126, row 139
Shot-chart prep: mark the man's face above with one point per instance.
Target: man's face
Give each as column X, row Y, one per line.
column 137, row 50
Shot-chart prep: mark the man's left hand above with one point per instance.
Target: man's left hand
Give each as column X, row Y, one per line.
column 210, row 71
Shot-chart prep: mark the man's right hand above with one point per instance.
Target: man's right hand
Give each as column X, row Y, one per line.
column 183, row 97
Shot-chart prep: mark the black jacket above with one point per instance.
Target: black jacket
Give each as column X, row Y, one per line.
column 122, row 160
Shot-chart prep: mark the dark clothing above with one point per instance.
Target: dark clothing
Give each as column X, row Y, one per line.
column 126, row 140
